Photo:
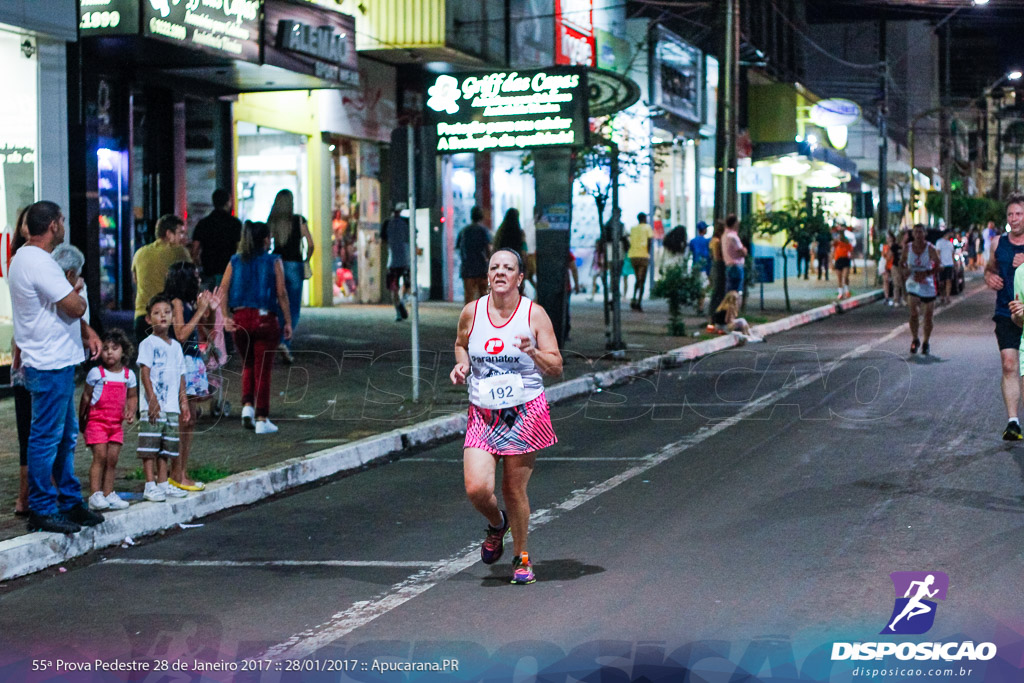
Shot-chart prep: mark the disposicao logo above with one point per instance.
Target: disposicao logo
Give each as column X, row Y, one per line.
column 913, row 614
column 494, row 346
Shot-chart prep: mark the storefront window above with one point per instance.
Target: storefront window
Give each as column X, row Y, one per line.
column 269, row 161
column 345, row 221
column 18, row 141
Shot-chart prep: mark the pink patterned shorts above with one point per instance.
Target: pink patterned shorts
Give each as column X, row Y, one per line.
column 511, row 431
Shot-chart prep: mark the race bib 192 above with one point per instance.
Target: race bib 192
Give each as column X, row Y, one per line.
column 500, row 391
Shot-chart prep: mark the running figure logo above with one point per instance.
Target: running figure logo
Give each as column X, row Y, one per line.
column 914, row 612
column 494, row 346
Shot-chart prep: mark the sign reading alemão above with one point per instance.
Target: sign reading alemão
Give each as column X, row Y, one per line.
column 509, row 110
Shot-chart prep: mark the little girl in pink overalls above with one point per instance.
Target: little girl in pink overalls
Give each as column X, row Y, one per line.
column 111, row 396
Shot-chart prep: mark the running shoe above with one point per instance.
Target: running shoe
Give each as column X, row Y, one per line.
column 494, row 544
column 925, row 348
column 913, row 345
column 522, row 570
column 1012, row 432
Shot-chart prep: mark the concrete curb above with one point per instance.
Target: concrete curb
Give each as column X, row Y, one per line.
column 37, row 551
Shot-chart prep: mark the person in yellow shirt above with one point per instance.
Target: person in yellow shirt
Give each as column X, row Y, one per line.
column 640, row 238
column 150, row 265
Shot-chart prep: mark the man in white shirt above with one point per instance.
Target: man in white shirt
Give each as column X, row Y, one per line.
column 49, row 331
column 944, row 245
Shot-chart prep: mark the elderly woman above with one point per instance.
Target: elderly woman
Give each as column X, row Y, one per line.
column 71, row 261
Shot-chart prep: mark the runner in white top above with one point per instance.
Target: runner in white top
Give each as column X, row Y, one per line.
column 920, row 264
column 504, row 343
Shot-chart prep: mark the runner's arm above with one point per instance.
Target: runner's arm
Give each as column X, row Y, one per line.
column 545, row 354
column 992, row 277
column 461, row 369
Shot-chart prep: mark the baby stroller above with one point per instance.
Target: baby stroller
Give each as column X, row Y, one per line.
column 215, row 356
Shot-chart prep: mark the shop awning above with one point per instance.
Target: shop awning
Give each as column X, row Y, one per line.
column 769, row 150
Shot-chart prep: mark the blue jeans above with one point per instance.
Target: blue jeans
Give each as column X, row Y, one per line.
column 734, row 279
column 293, row 278
column 51, row 441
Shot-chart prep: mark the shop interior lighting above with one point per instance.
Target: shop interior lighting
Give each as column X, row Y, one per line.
column 823, row 179
column 790, row 166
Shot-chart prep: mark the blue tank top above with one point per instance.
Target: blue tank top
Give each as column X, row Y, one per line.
column 1004, row 262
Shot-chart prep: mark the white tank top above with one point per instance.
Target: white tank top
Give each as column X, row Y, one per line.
column 920, row 263
column 497, row 363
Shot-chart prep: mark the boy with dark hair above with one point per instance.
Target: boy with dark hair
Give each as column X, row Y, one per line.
column 163, row 399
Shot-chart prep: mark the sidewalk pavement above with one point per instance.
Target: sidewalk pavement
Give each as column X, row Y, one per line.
column 346, row 401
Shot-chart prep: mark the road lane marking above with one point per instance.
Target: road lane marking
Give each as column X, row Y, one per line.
column 268, row 563
column 359, row 614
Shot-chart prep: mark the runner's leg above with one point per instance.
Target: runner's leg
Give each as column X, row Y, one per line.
column 478, row 468
column 514, row 479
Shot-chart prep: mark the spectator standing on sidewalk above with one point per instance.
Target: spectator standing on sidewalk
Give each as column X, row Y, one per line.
column 396, row 234
column 735, row 256
column 641, row 238
column 163, row 399
column 474, row 246
column 700, row 252
column 1006, row 254
column 803, row 255
column 823, row 250
column 717, row 271
column 49, row 331
column 291, row 234
column 255, row 283
column 216, row 238
column 842, row 244
column 191, row 309
column 150, row 265
column 22, row 397
column 110, row 398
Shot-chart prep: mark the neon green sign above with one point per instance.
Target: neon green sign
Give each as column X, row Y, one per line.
column 508, row 110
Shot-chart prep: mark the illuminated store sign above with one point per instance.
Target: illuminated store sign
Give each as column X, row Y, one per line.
column 575, row 44
column 308, row 39
column 229, row 28
column 509, row 110
column 108, row 17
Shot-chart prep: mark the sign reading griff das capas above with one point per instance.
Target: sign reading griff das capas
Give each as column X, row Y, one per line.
column 509, row 110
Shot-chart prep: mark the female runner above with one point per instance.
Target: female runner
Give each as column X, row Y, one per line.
column 505, row 343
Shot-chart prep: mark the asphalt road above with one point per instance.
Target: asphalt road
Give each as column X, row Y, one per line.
column 733, row 517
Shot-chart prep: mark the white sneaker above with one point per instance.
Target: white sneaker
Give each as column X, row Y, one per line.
column 266, row 427
column 116, row 502
column 172, row 491
column 98, row 502
column 153, row 492
column 754, row 340
column 248, row 416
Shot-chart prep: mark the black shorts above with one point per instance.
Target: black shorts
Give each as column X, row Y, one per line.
column 396, row 274
column 842, row 263
column 923, row 299
column 946, row 274
column 1007, row 333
